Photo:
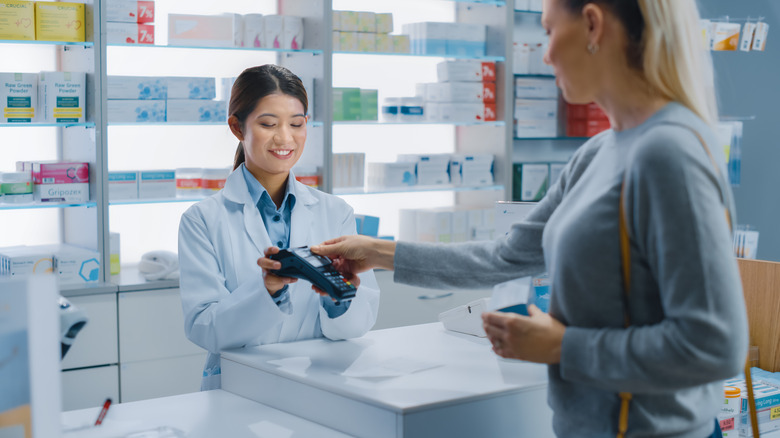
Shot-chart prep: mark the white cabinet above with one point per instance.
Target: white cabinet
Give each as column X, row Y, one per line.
column 161, row 377
column 89, row 387
column 96, row 343
column 402, row 305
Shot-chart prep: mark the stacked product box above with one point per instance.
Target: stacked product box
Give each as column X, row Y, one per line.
column 471, row 169
column 122, row 185
column 466, row 92
column 235, row 30
column 446, row 224
column 367, row 225
column 585, row 120
column 359, row 31
column 62, row 97
column 71, row 264
column 349, row 170
column 157, row 184
column 130, row 22
column 536, row 108
column 430, row 169
column 528, row 58
column 530, row 181
column 58, row 182
column 433, row 38
column 19, row 97
column 353, row 104
column 734, row 416
column 161, row 99
column 388, row 175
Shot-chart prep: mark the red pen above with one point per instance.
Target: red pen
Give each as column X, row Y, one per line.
column 103, row 412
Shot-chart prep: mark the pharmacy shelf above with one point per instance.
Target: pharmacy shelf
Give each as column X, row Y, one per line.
column 49, row 43
column 130, row 279
column 415, row 189
column 552, row 138
column 481, row 2
column 47, row 125
column 524, row 75
column 525, row 11
column 78, row 290
column 417, row 55
column 223, row 123
column 245, row 49
column 380, row 123
column 40, row 206
column 156, row 200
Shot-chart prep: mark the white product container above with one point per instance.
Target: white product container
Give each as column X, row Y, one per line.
column 189, row 181
column 391, row 108
column 214, row 180
column 16, row 188
column 411, row 109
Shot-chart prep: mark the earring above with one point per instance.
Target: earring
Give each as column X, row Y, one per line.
column 593, row 48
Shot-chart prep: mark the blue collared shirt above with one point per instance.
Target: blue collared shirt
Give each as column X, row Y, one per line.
column 277, row 223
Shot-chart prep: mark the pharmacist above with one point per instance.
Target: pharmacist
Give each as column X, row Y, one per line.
column 228, row 301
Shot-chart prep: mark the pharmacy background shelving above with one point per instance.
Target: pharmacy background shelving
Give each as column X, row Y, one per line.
column 101, row 143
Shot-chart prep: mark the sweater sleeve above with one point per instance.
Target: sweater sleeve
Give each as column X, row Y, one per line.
column 679, row 229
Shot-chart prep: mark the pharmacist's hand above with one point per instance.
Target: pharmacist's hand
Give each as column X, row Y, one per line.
column 354, row 254
column 535, row 338
column 352, row 278
column 273, row 283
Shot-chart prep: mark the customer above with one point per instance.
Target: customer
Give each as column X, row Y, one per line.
column 644, row 63
column 228, row 301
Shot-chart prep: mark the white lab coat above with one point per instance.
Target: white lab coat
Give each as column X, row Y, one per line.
column 224, row 299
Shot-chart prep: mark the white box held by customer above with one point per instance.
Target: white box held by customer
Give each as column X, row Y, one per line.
column 191, row 88
column 137, row 87
column 129, row 33
column 61, row 96
column 204, row 30
column 130, row 11
column 157, row 184
column 122, row 185
column 132, row 111
column 61, row 181
column 187, row 110
column 19, row 97
column 466, row 318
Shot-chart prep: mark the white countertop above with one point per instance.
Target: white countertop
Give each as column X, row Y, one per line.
column 403, row 369
column 207, row 414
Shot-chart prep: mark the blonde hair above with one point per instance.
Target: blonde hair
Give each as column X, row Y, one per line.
column 676, row 61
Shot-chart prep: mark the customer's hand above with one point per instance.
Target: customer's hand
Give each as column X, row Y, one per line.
column 273, row 283
column 535, row 338
column 355, row 254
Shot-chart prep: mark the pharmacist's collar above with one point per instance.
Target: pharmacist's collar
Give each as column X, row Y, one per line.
column 236, row 189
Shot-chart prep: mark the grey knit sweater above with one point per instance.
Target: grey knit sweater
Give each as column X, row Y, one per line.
column 689, row 326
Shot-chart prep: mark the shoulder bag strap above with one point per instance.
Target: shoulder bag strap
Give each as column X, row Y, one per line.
column 625, row 259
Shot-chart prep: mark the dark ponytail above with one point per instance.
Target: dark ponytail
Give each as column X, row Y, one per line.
column 255, row 83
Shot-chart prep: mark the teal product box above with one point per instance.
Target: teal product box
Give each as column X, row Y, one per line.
column 369, row 105
column 122, row 185
column 346, row 104
column 367, row 225
column 530, row 181
column 157, row 184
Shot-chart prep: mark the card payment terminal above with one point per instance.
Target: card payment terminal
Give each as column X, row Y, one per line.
column 302, row 263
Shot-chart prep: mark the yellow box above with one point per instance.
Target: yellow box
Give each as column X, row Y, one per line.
column 59, row 21
column 17, row 20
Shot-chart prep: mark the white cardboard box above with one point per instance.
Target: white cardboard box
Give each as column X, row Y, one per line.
column 130, row 11
column 157, row 184
column 292, row 33
column 61, row 96
column 189, row 110
column 137, row 87
column 132, row 111
column 122, row 185
column 191, row 87
column 19, row 97
column 204, row 30
column 253, row 30
column 390, row 174
column 129, row 33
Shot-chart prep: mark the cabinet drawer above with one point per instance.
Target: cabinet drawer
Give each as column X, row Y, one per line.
column 89, row 387
column 161, row 378
column 151, row 326
column 96, row 343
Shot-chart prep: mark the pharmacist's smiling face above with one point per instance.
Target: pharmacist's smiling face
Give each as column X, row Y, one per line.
column 274, row 135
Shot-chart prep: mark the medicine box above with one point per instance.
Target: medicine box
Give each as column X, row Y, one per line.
column 188, row 110
column 468, row 92
column 466, row 39
column 429, row 169
column 366, row 22
column 384, row 43
column 60, row 182
column 402, row 44
column 367, row 225
column 137, row 87
column 122, row 185
column 536, row 109
column 346, row 104
column 20, row 261
column 157, row 184
column 530, row 181
column 129, row 33
column 61, row 96
column 136, row 111
column 534, row 88
column 726, row 36
column 428, row 38
column 471, row 169
column 205, row 30
column 454, row 112
column 348, row 41
column 759, row 40
column 17, row 20
column 397, row 174
column 369, row 105
column 366, row 42
column 191, row 87
column 466, row 70
column 130, row 11
column 59, row 21
column 76, row 265
column 384, row 23
column 19, row 97
column 347, row 20
column 253, row 31
column 292, row 32
column 273, row 28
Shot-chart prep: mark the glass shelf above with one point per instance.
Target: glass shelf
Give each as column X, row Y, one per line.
column 552, row 138
column 50, row 125
column 156, row 200
column 374, row 123
column 224, row 123
column 414, row 189
column 49, row 43
column 526, row 11
column 246, row 49
column 482, row 2
column 525, row 75
column 38, row 206
column 417, row 55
